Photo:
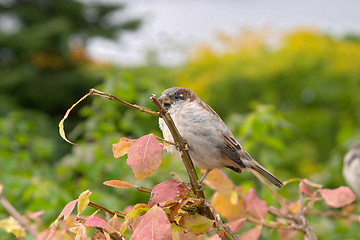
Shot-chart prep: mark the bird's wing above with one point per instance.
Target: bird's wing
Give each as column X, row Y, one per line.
column 230, row 149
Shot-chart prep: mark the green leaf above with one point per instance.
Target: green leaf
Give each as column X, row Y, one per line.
column 83, row 201
column 196, row 224
column 138, row 210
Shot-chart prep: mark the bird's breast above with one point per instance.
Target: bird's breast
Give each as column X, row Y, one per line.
column 198, row 132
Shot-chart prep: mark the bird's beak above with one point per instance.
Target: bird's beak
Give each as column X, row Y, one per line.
column 164, row 99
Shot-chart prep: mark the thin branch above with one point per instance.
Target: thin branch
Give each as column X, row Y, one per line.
column 163, row 140
column 17, row 216
column 144, row 189
column 113, row 98
column 118, row 214
column 105, row 95
column 185, row 156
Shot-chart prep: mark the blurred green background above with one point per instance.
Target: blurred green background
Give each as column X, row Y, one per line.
column 294, row 107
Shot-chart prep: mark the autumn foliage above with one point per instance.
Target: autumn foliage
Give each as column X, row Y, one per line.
column 174, row 210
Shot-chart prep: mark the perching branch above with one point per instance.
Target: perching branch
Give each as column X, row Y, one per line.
column 185, row 156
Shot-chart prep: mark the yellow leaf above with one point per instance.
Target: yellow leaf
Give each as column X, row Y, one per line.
column 119, row 184
column 10, row 225
column 226, row 208
column 121, row 148
column 124, row 227
column 61, row 123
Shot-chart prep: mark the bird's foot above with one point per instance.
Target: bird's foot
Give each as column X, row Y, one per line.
column 201, row 187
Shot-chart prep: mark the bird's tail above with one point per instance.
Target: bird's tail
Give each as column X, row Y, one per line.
column 254, row 165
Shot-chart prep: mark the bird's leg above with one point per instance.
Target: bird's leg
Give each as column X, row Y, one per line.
column 204, row 176
column 202, row 179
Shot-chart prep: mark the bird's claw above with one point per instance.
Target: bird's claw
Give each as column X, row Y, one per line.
column 201, row 187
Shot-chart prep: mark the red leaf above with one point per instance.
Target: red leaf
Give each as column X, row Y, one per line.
column 170, row 190
column 68, row 209
column 305, row 188
column 119, row 184
column 338, row 197
column 36, row 215
column 305, row 185
column 99, row 235
column 115, row 223
column 121, row 148
column 154, row 225
column 144, row 156
column 99, row 223
column 254, row 206
column 252, row 234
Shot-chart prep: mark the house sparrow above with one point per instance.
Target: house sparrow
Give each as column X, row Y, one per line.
column 210, row 142
column 351, row 168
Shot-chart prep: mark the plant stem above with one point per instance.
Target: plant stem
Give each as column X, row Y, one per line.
column 112, row 98
column 118, row 214
column 144, row 189
column 194, row 180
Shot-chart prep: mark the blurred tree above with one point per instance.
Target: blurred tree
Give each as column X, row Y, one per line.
column 43, row 70
column 42, row 49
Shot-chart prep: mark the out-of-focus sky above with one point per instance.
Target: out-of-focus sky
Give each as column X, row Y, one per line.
column 170, row 26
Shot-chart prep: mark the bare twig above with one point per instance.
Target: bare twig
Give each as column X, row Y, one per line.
column 144, row 189
column 163, row 140
column 113, row 98
column 118, row 214
column 105, row 95
column 308, row 231
column 17, row 216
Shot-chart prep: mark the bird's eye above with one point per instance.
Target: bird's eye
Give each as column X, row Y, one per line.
column 178, row 96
